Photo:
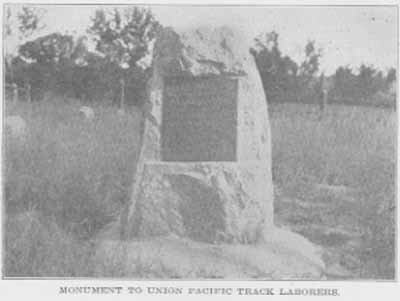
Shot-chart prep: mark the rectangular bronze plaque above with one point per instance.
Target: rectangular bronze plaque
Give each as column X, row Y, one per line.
column 199, row 119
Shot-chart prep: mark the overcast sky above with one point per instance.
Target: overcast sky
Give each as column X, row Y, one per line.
column 347, row 35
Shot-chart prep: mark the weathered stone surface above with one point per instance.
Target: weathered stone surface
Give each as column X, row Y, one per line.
column 208, row 53
column 206, row 107
column 209, row 202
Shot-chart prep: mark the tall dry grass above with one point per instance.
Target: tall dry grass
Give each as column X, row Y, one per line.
column 350, row 147
column 73, row 176
column 73, row 173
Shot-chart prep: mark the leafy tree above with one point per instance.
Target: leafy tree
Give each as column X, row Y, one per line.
column 344, row 84
column 49, row 49
column 310, row 66
column 46, row 58
column 283, row 78
column 61, row 63
column 306, row 80
column 368, row 87
column 124, row 37
column 20, row 24
column 30, row 20
column 278, row 73
column 367, row 82
column 390, row 78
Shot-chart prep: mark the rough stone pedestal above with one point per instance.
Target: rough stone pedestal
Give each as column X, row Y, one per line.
column 205, row 167
column 205, row 201
column 202, row 203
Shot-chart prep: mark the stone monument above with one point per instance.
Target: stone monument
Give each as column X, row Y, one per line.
column 205, row 166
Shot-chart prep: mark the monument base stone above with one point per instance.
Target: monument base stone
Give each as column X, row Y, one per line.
column 205, row 201
column 202, row 200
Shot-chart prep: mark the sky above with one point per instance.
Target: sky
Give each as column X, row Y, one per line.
column 349, row 35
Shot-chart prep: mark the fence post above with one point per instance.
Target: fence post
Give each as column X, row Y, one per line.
column 323, row 103
column 122, row 100
column 15, row 92
column 28, row 92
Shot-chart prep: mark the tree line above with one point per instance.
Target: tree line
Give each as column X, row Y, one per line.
column 108, row 62
column 284, row 80
column 67, row 66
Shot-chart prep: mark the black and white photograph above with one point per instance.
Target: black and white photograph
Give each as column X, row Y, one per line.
column 199, row 142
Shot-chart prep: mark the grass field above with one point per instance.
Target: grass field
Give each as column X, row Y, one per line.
column 334, row 179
